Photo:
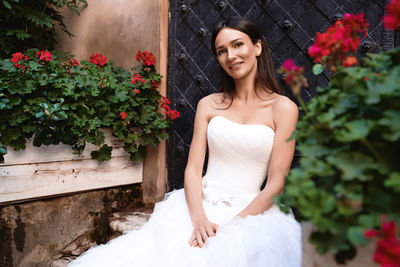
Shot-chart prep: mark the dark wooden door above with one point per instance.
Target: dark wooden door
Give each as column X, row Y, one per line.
column 289, row 27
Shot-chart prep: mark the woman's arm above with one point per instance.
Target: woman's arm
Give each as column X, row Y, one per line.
column 285, row 114
column 193, row 175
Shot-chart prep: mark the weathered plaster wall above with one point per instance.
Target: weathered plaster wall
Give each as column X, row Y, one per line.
column 36, row 233
column 117, row 29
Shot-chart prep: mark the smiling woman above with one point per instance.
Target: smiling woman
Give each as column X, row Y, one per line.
column 223, row 218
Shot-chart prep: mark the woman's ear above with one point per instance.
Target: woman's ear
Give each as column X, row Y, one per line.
column 258, row 47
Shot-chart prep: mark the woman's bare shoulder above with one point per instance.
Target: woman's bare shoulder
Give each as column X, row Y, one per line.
column 284, row 108
column 212, row 101
column 283, row 103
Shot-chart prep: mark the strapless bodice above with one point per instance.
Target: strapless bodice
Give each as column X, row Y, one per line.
column 238, row 160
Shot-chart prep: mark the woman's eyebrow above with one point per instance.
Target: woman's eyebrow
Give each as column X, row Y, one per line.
column 221, row 46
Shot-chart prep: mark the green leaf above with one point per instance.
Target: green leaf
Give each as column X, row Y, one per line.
column 354, row 130
column 354, row 166
column 391, row 119
column 103, row 154
column 393, row 181
column 6, row 4
column 3, row 150
column 356, row 236
column 20, row 34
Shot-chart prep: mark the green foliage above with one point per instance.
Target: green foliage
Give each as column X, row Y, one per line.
column 349, row 173
column 56, row 102
column 27, row 24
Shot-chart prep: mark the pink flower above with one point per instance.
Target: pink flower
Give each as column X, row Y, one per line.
column 44, row 55
column 391, row 20
column 136, row 91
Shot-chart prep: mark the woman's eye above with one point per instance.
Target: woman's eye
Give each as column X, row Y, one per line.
column 220, row 52
column 238, row 44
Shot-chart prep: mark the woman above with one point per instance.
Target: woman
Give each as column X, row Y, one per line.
column 223, row 219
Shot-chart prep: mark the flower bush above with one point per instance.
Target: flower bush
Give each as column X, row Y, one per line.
column 56, row 99
column 349, row 172
column 27, row 24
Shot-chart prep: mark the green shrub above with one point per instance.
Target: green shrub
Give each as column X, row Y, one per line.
column 349, row 173
column 55, row 99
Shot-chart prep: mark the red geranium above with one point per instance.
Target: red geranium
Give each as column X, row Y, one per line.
column 73, row 62
column 172, row 114
column 16, row 58
column 291, row 70
column 349, row 61
column 136, row 91
column 154, row 84
column 333, row 46
column 387, row 252
column 293, row 76
column 123, row 115
column 147, row 57
column 44, row 55
column 137, row 78
column 98, row 59
column 391, row 20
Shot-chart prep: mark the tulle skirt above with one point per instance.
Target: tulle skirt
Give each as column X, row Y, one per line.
column 270, row 239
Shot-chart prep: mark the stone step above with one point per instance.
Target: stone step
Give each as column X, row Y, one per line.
column 120, row 222
column 127, row 221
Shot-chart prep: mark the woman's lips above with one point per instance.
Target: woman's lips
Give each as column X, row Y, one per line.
column 235, row 66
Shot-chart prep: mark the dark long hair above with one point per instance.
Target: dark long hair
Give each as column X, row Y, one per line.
column 265, row 76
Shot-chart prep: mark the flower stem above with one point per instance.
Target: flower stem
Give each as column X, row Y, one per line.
column 370, row 148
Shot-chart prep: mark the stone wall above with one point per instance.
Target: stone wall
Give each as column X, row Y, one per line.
column 36, row 233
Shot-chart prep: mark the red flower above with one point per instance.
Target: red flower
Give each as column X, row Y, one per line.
column 391, row 20
column 172, row 114
column 136, row 91
column 147, row 57
column 349, row 61
column 73, row 62
column 366, row 78
column 387, row 252
column 164, row 101
column 123, row 115
column 332, row 46
column 137, row 79
column 16, row 58
column 98, row 59
column 293, row 76
column 44, row 55
column 154, row 84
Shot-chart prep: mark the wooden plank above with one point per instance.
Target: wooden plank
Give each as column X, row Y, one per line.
column 61, row 152
column 37, row 180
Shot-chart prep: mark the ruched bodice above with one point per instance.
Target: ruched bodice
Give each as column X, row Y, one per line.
column 238, row 160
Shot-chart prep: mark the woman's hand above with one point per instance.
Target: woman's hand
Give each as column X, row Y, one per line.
column 201, row 232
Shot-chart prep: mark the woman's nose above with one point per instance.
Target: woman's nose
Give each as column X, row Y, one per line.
column 231, row 54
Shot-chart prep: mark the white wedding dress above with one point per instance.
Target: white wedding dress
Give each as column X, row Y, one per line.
column 237, row 166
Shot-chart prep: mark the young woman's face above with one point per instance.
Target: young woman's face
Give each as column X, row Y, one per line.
column 236, row 53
